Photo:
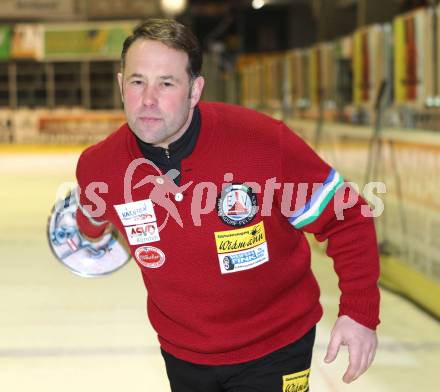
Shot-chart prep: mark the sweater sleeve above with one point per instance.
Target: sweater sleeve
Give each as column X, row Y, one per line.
column 90, row 221
column 329, row 208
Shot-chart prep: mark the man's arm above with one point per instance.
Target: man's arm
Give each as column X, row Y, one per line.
column 353, row 247
column 90, row 225
column 335, row 213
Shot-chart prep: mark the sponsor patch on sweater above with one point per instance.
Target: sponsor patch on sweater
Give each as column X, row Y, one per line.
column 136, row 212
column 149, row 256
column 142, row 234
column 237, row 205
column 241, row 249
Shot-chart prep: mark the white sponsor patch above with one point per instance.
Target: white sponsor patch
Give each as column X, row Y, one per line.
column 142, row 234
column 136, row 212
column 244, row 259
column 149, row 256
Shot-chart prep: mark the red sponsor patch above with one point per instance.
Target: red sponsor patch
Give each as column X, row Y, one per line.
column 149, row 256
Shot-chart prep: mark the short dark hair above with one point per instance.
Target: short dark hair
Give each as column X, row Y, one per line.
column 172, row 34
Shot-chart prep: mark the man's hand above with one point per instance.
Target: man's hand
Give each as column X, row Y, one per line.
column 361, row 342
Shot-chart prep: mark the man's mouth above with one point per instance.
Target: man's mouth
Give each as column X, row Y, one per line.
column 149, row 119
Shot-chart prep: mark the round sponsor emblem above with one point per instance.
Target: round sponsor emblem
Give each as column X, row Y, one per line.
column 237, row 205
column 149, row 256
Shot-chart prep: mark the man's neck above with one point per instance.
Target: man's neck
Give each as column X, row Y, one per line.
column 165, row 144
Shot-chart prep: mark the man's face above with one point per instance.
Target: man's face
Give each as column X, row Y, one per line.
column 158, row 96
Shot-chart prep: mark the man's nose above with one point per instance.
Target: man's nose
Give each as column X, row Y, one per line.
column 149, row 96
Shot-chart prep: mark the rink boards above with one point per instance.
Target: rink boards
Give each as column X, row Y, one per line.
column 408, row 164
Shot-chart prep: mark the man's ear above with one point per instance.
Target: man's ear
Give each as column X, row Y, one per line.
column 121, row 89
column 196, row 90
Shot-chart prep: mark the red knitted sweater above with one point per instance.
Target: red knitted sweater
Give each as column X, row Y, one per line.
column 226, row 284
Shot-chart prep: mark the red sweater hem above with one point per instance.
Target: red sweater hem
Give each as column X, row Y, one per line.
column 250, row 352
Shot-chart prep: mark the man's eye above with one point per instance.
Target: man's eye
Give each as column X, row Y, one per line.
column 136, row 82
column 167, row 84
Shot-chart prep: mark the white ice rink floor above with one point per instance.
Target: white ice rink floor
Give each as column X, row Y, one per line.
column 62, row 333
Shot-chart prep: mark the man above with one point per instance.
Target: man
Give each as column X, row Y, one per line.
column 210, row 223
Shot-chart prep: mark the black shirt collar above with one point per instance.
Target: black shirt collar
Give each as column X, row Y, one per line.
column 177, row 150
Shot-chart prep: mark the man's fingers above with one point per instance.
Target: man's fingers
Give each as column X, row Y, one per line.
column 360, row 359
column 364, row 364
column 333, row 348
column 355, row 363
column 371, row 356
column 372, row 353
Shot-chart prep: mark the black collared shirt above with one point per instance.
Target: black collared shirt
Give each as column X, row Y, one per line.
column 171, row 157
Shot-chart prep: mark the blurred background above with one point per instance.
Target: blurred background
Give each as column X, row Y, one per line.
column 358, row 79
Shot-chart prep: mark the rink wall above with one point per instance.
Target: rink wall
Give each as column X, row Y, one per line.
column 57, row 126
column 408, row 163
